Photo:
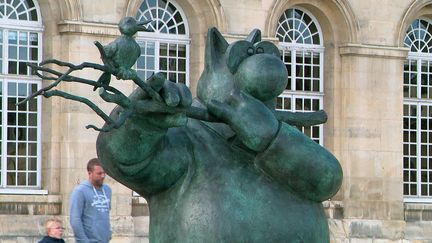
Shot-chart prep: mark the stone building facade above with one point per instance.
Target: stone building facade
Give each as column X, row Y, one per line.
column 367, row 63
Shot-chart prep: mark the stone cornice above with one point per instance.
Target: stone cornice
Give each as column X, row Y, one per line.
column 20, row 208
column 235, row 37
column 81, row 27
column 28, row 198
column 373, row 51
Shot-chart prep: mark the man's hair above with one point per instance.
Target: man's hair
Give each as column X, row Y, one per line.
column 92, row 163
column 50, row 223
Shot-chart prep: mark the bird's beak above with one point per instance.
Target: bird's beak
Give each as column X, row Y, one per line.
column 141, row 25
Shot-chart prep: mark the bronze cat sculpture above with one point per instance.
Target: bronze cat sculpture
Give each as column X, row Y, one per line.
column 248, row 178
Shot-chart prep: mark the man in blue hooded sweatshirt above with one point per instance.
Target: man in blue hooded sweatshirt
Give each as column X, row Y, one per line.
column 90, row 205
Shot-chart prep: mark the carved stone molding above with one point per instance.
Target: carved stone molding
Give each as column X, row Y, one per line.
column 374, row 51
column 107, row 30
column 30, row 208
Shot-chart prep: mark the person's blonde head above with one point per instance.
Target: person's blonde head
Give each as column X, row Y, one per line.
column 54, row 227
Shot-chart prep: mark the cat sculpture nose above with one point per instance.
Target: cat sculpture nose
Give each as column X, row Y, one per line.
column 263, row 76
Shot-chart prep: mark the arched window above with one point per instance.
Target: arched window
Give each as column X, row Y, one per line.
column 166, row 47
column 20, row 43
column 302, row 52
column 417, row 112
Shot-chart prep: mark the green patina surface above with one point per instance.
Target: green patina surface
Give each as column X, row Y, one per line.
column 250, row 177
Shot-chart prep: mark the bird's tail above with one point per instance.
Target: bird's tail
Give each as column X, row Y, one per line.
column 104, row 79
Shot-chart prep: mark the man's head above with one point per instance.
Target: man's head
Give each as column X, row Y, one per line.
column 95, row 172
column 54, row 228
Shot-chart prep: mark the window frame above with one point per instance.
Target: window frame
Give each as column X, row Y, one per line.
column 29, row 26
column 293, row 48
column 418, row 102
column 418, row 56
column 159, row 38
column 157, row 42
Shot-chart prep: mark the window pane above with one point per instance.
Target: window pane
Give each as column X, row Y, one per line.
column 32, row 179
column 13, row 67
column 34, row 54
column 22, row 164
column 11, row 163
column 182, row 78
column 34, row 39
column 22, row 147
column 13, row 52
column 23, row 53
column 11, row 179
column 22, row 119
column 32, row 105
column 32, row 164
column 163, row 49
column 141, row 63
column 23, row 38
column 33, row 15
column 22, row 68
column 32, row 149
column 22, row 179
column 13, row 38
column 32, row 134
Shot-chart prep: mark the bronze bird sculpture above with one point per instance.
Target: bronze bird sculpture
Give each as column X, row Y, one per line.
column 121, row 54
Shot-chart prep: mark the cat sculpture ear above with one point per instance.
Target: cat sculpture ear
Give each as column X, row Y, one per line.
column 215, row 48
column 254, row 36
column 216, row 81
column 240, row 50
